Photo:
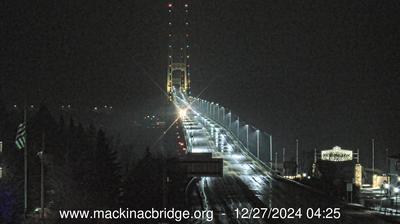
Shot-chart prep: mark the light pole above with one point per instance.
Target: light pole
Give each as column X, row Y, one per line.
column 217, row 112
column 283, row 160
column 212, row 110
column 258, row 144
column 270, row 149
column 238, row 124
column 1, row 150
column 230, row 120
column 223, row 115
column 387, row 161
column 373, row 156
column 276, row 161
column 297, row 157
column 41, row 156
column 247, row 137
column 396, row 191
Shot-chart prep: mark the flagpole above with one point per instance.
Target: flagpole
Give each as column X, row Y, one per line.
column 42, row 178
column 25, row 166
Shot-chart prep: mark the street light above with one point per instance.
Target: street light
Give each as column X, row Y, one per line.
column 247, row 136
column 396, row 191
column 258, row 144
column 297, row 157
column 223, row 115
column 237, row 130
column 230, row 119
column 182, row 113
column 387, row 187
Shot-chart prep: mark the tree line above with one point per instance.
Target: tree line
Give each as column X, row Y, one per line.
column 82, row 170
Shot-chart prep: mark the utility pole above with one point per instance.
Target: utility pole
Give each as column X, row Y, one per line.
column 283, row 160
column 315, row 155
column 373, row 156
column 42, row 178
column 26, row 165
column 387, row 161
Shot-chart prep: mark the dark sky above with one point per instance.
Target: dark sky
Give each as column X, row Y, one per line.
column 326, row 72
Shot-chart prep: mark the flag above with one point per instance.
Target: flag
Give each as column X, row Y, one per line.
column 20, row 139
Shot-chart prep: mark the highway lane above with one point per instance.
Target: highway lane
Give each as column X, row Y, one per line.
column 247, row 184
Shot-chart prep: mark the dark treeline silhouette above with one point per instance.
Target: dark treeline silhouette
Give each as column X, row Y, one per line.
column 81, row 170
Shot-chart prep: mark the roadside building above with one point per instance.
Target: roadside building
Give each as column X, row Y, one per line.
column 394, row 169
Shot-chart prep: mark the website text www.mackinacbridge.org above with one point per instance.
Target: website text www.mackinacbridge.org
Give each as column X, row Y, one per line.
column 129, row 214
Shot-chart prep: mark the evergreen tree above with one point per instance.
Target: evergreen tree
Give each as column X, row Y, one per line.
column 106, row 172
column 138, row 194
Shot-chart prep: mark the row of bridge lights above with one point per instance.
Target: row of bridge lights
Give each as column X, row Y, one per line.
column 237, row 121
column 170, row 5
column 186, row 23
column 170, row 46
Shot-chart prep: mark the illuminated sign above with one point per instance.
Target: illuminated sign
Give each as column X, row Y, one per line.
column 358, row 175
column 337, row 154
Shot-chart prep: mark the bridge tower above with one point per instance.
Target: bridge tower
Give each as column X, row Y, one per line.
column 178, row 75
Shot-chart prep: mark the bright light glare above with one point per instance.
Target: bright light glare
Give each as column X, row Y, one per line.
column 386, row 186
column 396, row 190
column 182, row 113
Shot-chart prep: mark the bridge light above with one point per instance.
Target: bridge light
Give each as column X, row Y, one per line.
column 186, row 23
column 170, row 23
column 182, row 113
column 186, row 5
column 169, row 5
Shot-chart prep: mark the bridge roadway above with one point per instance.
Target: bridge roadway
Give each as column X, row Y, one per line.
column 247, row 184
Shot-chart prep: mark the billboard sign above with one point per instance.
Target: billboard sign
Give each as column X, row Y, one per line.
column 337, row 154
column 202, row 165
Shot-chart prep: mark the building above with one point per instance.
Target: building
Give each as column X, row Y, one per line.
column 394, row 169
column 336, row 168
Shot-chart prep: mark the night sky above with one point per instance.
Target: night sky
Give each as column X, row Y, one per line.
column 326, row 72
